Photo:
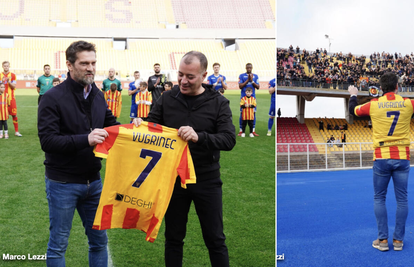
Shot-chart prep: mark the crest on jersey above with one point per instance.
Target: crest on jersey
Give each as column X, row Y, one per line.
column 373, row 91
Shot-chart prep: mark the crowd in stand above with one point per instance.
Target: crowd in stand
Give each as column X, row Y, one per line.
column 339, row 70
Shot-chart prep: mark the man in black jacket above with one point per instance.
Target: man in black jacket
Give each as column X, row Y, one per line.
column 156, row 83
column 70, row 121
column 203, row 118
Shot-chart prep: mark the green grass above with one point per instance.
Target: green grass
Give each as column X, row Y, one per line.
column 248, row 173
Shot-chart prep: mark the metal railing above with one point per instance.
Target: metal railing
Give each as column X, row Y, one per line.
column 339, row 85
column 300, row 157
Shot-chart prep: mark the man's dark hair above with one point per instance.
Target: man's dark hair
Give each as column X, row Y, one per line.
column 157, row 64
column 188, row 58
column 216, row 64
column 249, row 64
column 136, row 71
column 77, row 47
column 388, row 82
column 46, row 65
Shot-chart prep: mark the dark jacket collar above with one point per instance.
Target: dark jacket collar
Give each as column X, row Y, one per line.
column 77, row 88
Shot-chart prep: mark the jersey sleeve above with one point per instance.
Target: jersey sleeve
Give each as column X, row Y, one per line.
column 362, row 110
column 119, row 104
column 186, row 168
column 242, row 102
column 102, row 150
column 254, row 103
column 209, row 80
column 119, row 86
column 149, row 98
column 241, row 78
column 412, row 103
column 13, row 79
column 272, row 83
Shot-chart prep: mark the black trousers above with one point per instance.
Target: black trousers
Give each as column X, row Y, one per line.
column 244, row 123
column 38, row 99
column 3, row 125
column 207, row 197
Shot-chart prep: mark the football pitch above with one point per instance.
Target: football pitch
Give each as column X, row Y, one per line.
column 248, row 174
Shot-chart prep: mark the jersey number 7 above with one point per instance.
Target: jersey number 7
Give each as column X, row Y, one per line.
column 394, row 122
column 155, row 157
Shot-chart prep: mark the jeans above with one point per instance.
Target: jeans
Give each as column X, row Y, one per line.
column 383, row 170
column 63, row 199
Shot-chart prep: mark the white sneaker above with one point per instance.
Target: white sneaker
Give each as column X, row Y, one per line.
column 243, row 135
column 269, row 133
column 18, row 134
column 251, row 135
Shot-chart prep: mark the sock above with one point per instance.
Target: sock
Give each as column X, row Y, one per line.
column 6, row 132
column 16, row 124
column 254, row 130
column 270, row 124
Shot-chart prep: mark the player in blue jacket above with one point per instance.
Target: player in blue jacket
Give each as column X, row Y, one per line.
column 248, row 80
column 272, row 111
column 217, row 80
column 132, row 91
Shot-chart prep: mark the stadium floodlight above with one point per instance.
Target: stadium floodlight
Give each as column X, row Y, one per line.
column 329, row 40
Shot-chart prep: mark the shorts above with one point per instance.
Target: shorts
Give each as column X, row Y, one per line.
column 272, row 110
column 13, row 107
column 134, row 111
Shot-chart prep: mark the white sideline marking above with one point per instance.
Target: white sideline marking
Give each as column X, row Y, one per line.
column 110, row 263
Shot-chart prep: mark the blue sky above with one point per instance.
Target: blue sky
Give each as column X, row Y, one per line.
column 360, row 27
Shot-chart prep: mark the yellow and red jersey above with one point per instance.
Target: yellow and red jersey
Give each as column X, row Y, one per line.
column 248, row 113
column 7, row 79
column 114, row 101
column 142, row 165
column 4, row 104
column 391, row 117
column 144, row 101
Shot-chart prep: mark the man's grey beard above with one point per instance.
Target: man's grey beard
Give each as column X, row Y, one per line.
column 86, row 81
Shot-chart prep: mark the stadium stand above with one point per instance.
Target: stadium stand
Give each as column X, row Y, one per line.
column 140, row 14
column 141, row 55
column 153, row 31
column 337, row 71
column 289, row 130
